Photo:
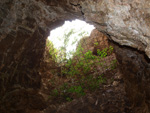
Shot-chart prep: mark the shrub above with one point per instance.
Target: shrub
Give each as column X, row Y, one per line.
column 86, row 62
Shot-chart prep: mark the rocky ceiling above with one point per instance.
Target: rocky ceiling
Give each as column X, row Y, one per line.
column 25, row 25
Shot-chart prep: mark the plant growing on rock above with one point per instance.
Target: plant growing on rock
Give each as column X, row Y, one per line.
column 83, row 72
column 85, row 62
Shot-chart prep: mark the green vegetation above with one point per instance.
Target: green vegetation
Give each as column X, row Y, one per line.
column 96, row 44
column 105, row 52
column 81, row 71
column 81, row 74
column 68, row 91
column 86, row 62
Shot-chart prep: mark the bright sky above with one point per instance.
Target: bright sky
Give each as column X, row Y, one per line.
column 56, row 35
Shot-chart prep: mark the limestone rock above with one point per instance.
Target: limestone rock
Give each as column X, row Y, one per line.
column 126, row 21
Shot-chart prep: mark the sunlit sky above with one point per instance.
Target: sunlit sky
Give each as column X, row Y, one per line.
column 56, row 35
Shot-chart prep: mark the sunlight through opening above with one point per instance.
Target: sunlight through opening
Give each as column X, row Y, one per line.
column 68, row 35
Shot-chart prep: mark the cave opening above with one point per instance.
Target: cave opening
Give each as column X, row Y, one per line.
column 78, row 61
column 24, row 27
column 65, row 39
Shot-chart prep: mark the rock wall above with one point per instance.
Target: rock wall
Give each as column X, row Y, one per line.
column 126, row 21
column 135, row 66
column 25, row 25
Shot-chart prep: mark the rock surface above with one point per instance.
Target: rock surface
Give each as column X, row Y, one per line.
column 126, row 21
column 108, row 99
column 25, row 25
column 136, row 70
column 95, row 41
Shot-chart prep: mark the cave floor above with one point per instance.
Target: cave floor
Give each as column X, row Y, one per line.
column 109, row 98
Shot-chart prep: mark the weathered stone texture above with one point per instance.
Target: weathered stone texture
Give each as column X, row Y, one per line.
column 24, row 27
column 126, row 21
column 135, row 67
